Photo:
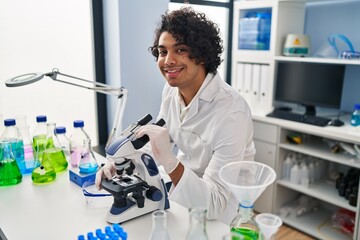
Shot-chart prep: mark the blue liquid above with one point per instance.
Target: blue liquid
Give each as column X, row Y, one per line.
column 355, row 120
column 18, row 151
column 88, row 167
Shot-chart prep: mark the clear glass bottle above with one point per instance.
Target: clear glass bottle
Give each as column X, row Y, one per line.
column 39, row 136
column 60, row 133
column 53, row 150
column 30, row 164
column 12, row 134
column 244, row 223
column 159, row 231
column 197, row 230
column 88, row 163
column 355, row 116
column 77, row 142
column 9, row 170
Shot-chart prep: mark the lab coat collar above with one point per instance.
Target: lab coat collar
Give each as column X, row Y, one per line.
column 211, row 86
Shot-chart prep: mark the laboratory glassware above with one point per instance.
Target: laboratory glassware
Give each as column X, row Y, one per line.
column 29, row 162
column 159, row 231
column 39, row 136
column 88, row 163
column 246, row 180
column 53, row 150
column 197, row 229
column 355, row 116
column 12, row 133
column 9, row 170
column 76, row 142
column 269, row 224
column 60, row 133
column 44, row 173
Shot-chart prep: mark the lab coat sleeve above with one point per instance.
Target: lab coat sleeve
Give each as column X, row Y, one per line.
column 232, row 141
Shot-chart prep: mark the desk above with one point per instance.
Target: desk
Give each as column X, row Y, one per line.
column 58, row 211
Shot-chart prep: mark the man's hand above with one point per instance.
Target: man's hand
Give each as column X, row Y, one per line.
column 108, row 171
column 160, row 144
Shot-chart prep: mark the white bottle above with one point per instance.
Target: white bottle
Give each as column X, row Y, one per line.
column 295, row 174
column 77, row 142
column 286, row 168
column 304, row 174
column 311, row 172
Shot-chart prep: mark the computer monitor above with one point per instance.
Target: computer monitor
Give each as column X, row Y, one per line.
column 310, row 84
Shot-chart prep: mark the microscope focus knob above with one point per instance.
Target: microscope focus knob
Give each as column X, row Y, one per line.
column 154, row 194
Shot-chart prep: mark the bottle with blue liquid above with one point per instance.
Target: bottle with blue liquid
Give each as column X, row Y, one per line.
column 12, row 134
column 355, row 117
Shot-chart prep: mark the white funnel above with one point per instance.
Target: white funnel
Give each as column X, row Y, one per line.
column 247, row 180
column 268, row 223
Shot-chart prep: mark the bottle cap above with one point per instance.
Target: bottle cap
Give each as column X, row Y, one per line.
column 9, row 122
column 41, row 118
column 78, row 123
column 59, row 130
column 357, row 106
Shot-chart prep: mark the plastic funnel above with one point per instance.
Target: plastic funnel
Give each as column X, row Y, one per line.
column 268, row 223
column 247, row 180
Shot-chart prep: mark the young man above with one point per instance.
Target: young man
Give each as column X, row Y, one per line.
column 208, row 121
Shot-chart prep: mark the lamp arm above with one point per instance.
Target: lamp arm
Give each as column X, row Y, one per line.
column 117, row 124
column 121, row 93
column 98, row 87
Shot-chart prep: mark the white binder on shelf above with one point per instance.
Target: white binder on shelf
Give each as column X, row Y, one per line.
column 255, row 86
column 265, row 102
column 247, row 82
column 239, row 79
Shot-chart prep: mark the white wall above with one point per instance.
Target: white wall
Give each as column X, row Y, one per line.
column 37, row 36
column 139, row 71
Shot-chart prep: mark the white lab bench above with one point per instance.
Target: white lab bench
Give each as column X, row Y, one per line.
column 58, row 211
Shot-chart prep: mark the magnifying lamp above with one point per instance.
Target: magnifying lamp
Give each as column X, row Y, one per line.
column 121, row 92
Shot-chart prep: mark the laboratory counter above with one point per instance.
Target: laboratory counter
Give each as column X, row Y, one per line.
column 59, row 211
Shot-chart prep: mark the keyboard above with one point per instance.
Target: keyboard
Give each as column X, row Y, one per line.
column 312, row 120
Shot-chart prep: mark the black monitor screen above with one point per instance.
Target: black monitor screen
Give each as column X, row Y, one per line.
column 310, row 84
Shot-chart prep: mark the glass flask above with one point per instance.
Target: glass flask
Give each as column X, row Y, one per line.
column 9, row 170
column 12, row 134
column 77, row 142
column 54, row 153
column 44, row 172
column 245, row 224
column 159, row 231
column 197, row 230
column 29, row 160
column 39, row 136
column 88, row 163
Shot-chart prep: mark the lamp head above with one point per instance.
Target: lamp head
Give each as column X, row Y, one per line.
column 24, row 79
column 28, row 78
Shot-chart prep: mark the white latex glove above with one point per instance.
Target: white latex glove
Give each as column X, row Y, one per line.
column 108, row 171
column 160, row 145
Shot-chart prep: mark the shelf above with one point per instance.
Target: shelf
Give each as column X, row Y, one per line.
column 322, row 190
column 317, row 224
column 321, row 150
column 318, row 60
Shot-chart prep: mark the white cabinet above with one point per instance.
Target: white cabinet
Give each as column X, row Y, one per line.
column 265, row 138
column 314, row 145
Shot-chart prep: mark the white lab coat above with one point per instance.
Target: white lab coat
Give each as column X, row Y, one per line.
column 217, row 129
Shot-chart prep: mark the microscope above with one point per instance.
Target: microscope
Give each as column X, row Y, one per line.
column 137, row 186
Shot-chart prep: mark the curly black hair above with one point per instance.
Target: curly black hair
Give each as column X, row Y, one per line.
column 194, row 30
